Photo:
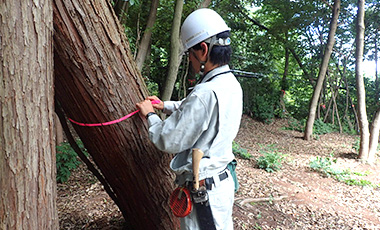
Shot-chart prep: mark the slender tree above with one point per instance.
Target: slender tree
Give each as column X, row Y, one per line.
column 27, row 137
column 322, row 72
column 362, row 114
column 98, row 81
column 175, row 46
column 143, row 47
column 121, row 10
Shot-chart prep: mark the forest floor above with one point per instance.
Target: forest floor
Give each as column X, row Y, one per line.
column 295, row 197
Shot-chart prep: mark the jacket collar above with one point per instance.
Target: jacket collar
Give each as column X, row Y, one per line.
column 217, row 70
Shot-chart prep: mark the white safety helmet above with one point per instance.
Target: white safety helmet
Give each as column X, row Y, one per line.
column 200, row 25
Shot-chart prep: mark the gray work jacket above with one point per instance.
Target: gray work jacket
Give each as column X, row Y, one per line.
column 208, row 119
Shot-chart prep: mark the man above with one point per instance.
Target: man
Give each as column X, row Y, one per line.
column 208, row 119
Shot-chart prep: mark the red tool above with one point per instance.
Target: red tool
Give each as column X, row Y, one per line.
column 180, row 202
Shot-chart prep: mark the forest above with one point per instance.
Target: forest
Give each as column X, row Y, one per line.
column 309, row 73
column 279, row 47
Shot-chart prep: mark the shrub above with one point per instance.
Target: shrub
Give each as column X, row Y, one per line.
column 67, row 160
column 271, row 160
column 321, row 127
column 296, row 125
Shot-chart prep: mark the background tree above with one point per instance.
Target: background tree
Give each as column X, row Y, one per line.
column 175, row 46
column 27, row 141
column 362, row 114
column 322, row 72
column 144, row 45
column 97, row 81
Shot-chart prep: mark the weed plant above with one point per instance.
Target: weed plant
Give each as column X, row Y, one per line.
column 271, row 160
column 67, row 160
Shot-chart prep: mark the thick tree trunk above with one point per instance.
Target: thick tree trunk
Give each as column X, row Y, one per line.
column 322, row 72
column 27, row 141
column 362, row 113
column 175, row 59
column 97, row 81
column 145, row 41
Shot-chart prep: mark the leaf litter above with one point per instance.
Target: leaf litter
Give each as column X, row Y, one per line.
column 295, row 197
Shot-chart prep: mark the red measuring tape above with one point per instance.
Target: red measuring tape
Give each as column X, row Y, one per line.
column 111, row 122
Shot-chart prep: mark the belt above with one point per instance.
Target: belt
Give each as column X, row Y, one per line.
column 208, row 182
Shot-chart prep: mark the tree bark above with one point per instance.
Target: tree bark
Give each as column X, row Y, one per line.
column 27, row 138
column 97, row 81
column 362, row 113
column 145, row 41
column 322, row 72
column 175, row 58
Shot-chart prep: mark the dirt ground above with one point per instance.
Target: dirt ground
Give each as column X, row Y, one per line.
column 295, row 197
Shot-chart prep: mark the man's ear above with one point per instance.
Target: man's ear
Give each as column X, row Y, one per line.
column 204, row 47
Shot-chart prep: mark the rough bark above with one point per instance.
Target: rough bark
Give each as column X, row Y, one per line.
column 322, row 72
column 175, row 58
column 145, row 41
column 27, row 137
column 362, row 113
column 97, row 81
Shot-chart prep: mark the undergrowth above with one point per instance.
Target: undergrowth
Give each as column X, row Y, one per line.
column 327, row 166
column 271, row 160
column 239, row 151
column 67, row 160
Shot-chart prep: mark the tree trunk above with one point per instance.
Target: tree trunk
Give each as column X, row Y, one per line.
column 97, row 81
column 204, row 4
column 322, row 72
column 145, row 41
column 374, row 140
column 121, row 10
column 377, row 83
column 27, row 141
column 362, row 113
column 284, row 84
column 175, row 58
column 58, row 131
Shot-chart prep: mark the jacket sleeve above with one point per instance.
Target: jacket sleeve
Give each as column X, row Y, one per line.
column 182, row 129
column 171, row 106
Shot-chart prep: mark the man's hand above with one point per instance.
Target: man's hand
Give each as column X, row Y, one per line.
column 146, row 106
column 159, row 106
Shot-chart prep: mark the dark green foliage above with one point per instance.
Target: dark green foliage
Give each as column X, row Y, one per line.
column 261, row 98
column 67, row 160
column 296, row 125
column 321, row 127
